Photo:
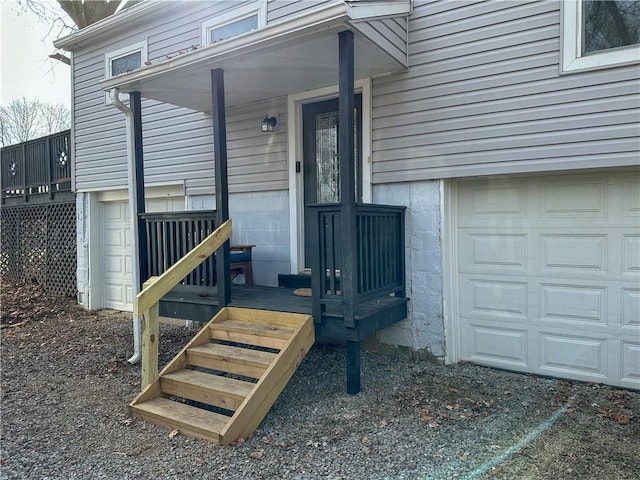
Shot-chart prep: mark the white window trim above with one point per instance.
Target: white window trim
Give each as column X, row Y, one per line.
column 571, row 42
column 109, row 57
column 258, row 7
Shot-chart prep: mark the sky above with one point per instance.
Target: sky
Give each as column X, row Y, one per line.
column 25, row 67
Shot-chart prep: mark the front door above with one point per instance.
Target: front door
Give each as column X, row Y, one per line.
column 320, row 158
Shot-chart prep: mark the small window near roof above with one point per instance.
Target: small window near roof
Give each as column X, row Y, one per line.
column 233, row 23
column 124, row 60
column 127, row 63
column 600, row 34
column 244, row 25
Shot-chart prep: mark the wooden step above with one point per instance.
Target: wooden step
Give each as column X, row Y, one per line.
column 206, row 388
column 227, row 358
column 189, row 420
column 272, row 336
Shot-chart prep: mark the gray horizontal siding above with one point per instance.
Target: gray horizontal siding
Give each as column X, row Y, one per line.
column 177, row 142
column 484, row 95
column 389, row 34
column 278, row 10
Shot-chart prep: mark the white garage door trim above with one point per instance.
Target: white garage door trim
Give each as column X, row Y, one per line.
column 603, row 358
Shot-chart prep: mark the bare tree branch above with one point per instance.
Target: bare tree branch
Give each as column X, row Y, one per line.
column 23, row 119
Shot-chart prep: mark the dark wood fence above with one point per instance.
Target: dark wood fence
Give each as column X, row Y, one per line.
column 171, row 235
column 380, row 256
column 37, row 167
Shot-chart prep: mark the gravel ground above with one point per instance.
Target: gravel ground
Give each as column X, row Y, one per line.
column 66, row 385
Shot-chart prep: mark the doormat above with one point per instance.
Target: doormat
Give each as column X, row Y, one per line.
column 302, row 292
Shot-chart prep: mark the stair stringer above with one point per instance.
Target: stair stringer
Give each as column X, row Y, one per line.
column 255, row 407
column 257, row 404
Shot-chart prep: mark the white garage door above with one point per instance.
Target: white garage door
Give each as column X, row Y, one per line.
column 549, row 275
column 117, row 265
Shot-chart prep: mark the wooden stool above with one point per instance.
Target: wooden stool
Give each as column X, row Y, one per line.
column 240, row 256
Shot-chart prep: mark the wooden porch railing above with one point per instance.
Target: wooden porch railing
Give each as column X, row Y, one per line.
column 38, row 166
column 147, row 301
column 171, row 235
column 380, row 257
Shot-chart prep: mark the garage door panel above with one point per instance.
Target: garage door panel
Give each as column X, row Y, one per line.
column 498, row 345
column 495, row 251
column 566, row 302
column 578, row 252
column 114, row 265
column 113, row 237
column 631, row 254
column 549, row 283
column 494, row 298
column 631, row 309
column 586, row 197
column 114, row 294
column 631, row 197
column 630, row 363
column 571, row 354
column 497, row 200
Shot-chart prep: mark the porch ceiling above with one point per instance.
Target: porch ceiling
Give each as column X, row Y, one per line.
column 267, row 63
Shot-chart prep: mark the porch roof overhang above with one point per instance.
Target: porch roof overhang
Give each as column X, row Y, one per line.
column 289, row 57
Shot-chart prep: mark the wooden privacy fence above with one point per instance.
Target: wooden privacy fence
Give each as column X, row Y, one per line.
column 38, row 243
column 40, row 166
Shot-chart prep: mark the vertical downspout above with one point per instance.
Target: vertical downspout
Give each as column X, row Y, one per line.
column 133, row 207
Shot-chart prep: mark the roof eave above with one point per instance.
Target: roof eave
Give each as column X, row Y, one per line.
column 269, row 36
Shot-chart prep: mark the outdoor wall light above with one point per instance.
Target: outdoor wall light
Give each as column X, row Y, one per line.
column 268, row 124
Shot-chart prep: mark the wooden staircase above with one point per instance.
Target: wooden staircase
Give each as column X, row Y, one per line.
column 223, row 383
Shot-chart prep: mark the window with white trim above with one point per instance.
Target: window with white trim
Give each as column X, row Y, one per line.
column 600, row 34
column 124, row 60
column 235, row 22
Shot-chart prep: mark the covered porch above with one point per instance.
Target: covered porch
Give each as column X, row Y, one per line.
column 353, row 250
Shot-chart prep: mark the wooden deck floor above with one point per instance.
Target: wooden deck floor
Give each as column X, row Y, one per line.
column 265, row 298
column 201, row 304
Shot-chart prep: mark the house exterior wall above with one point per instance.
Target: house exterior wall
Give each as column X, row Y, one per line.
column 177, row 142
column 484, row 95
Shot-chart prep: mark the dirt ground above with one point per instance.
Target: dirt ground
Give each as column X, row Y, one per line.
column 66, row 383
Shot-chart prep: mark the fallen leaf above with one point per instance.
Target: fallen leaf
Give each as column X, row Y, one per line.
column 622, row 419
column 258, row 454
column 200, row 461
column 383, row 422
column 174, row 433
column 365, row 440
column 426, row 418
column 240, row 441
